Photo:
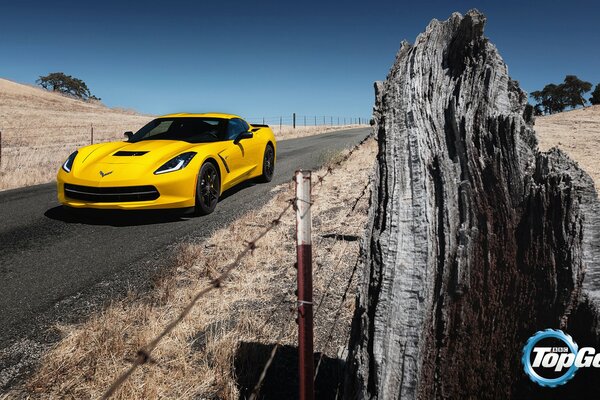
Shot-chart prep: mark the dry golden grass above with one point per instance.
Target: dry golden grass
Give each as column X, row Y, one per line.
column 197, row 359
column 576, row 132
column 40, row 129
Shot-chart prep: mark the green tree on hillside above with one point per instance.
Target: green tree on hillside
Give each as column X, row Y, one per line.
column 551, row 99
column 595, row 99
column 556, row 98
column 66, row 84
column 574, row 88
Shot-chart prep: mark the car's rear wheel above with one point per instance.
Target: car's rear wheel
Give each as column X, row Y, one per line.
column 268, row 164
column 207, row 189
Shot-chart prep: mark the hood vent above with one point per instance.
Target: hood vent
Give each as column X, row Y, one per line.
column 129, row 153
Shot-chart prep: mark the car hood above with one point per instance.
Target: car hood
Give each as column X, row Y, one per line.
column 123, row 162
column 148, row 152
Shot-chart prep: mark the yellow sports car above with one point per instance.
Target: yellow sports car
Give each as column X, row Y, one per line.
column 175, row 161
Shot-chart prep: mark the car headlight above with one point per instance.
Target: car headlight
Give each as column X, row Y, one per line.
column 176, row 163
column 69, row 163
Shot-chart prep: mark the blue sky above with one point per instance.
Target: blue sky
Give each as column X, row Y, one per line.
column 268, row 58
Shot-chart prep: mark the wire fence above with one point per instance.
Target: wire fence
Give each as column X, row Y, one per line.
column 297, row 120
column 36, row 135
column 300, row 120
column 144, row 354
column 294, row 120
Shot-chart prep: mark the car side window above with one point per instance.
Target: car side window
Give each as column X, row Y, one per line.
column 235, row 127
column 244, row 125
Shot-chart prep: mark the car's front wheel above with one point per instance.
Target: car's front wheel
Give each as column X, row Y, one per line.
column 207, row 189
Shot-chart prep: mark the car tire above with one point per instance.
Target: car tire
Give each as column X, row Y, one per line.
column 268, row 167
column 208, row 189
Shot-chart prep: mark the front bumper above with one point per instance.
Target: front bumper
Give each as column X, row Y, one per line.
column 174, row 190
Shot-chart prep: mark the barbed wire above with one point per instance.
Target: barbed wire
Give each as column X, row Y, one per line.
column 362, row 194
column 344, row 296
column 301, row 120
column 343, row 299
column 125, row 126
column 337, row 315
column 143, row 355
column 340, row 259
column 330, row 168
column 331, row 278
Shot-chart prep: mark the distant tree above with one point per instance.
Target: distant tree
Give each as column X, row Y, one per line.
column 595, row 99
column 556, row 98
column 66, row 84
column 573, row 90
column 551, row 99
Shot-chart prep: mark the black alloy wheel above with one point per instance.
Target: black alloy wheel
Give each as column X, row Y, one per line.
column 207, row 189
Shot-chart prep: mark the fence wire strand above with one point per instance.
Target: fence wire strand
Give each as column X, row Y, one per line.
column 337, row 315
column 345, row 294
column 340, row 259
column 331, row 278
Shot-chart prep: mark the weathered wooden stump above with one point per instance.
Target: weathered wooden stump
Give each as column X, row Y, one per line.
column 477, row 239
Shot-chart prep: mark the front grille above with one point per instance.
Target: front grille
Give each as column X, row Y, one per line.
column 111, row 194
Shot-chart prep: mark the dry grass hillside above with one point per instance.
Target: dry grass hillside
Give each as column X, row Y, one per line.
column 40, row 129
column 576, row 132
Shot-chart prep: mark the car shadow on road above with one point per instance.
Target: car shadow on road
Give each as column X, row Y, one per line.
column 281, row 380
column 118, row 218
column 122, row 218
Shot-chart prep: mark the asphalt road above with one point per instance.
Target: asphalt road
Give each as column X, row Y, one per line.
column 54, row 265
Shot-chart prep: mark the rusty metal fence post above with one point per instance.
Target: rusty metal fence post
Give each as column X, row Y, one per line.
column 0, row 148
column 305, row 298
column 91, row 133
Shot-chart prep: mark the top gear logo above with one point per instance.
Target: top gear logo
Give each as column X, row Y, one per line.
column 551, row 358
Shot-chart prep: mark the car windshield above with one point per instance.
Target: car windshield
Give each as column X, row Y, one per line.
column 192, row 130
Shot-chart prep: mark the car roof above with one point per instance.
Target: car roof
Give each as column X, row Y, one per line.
column 199, row 115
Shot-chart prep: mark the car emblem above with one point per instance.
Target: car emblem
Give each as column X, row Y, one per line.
column 103, row 174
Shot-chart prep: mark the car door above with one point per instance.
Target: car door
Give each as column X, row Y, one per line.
column 253, row 152
column 237, row 157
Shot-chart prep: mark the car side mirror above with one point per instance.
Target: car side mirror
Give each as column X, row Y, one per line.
column 128, row 135
column 243, row 135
